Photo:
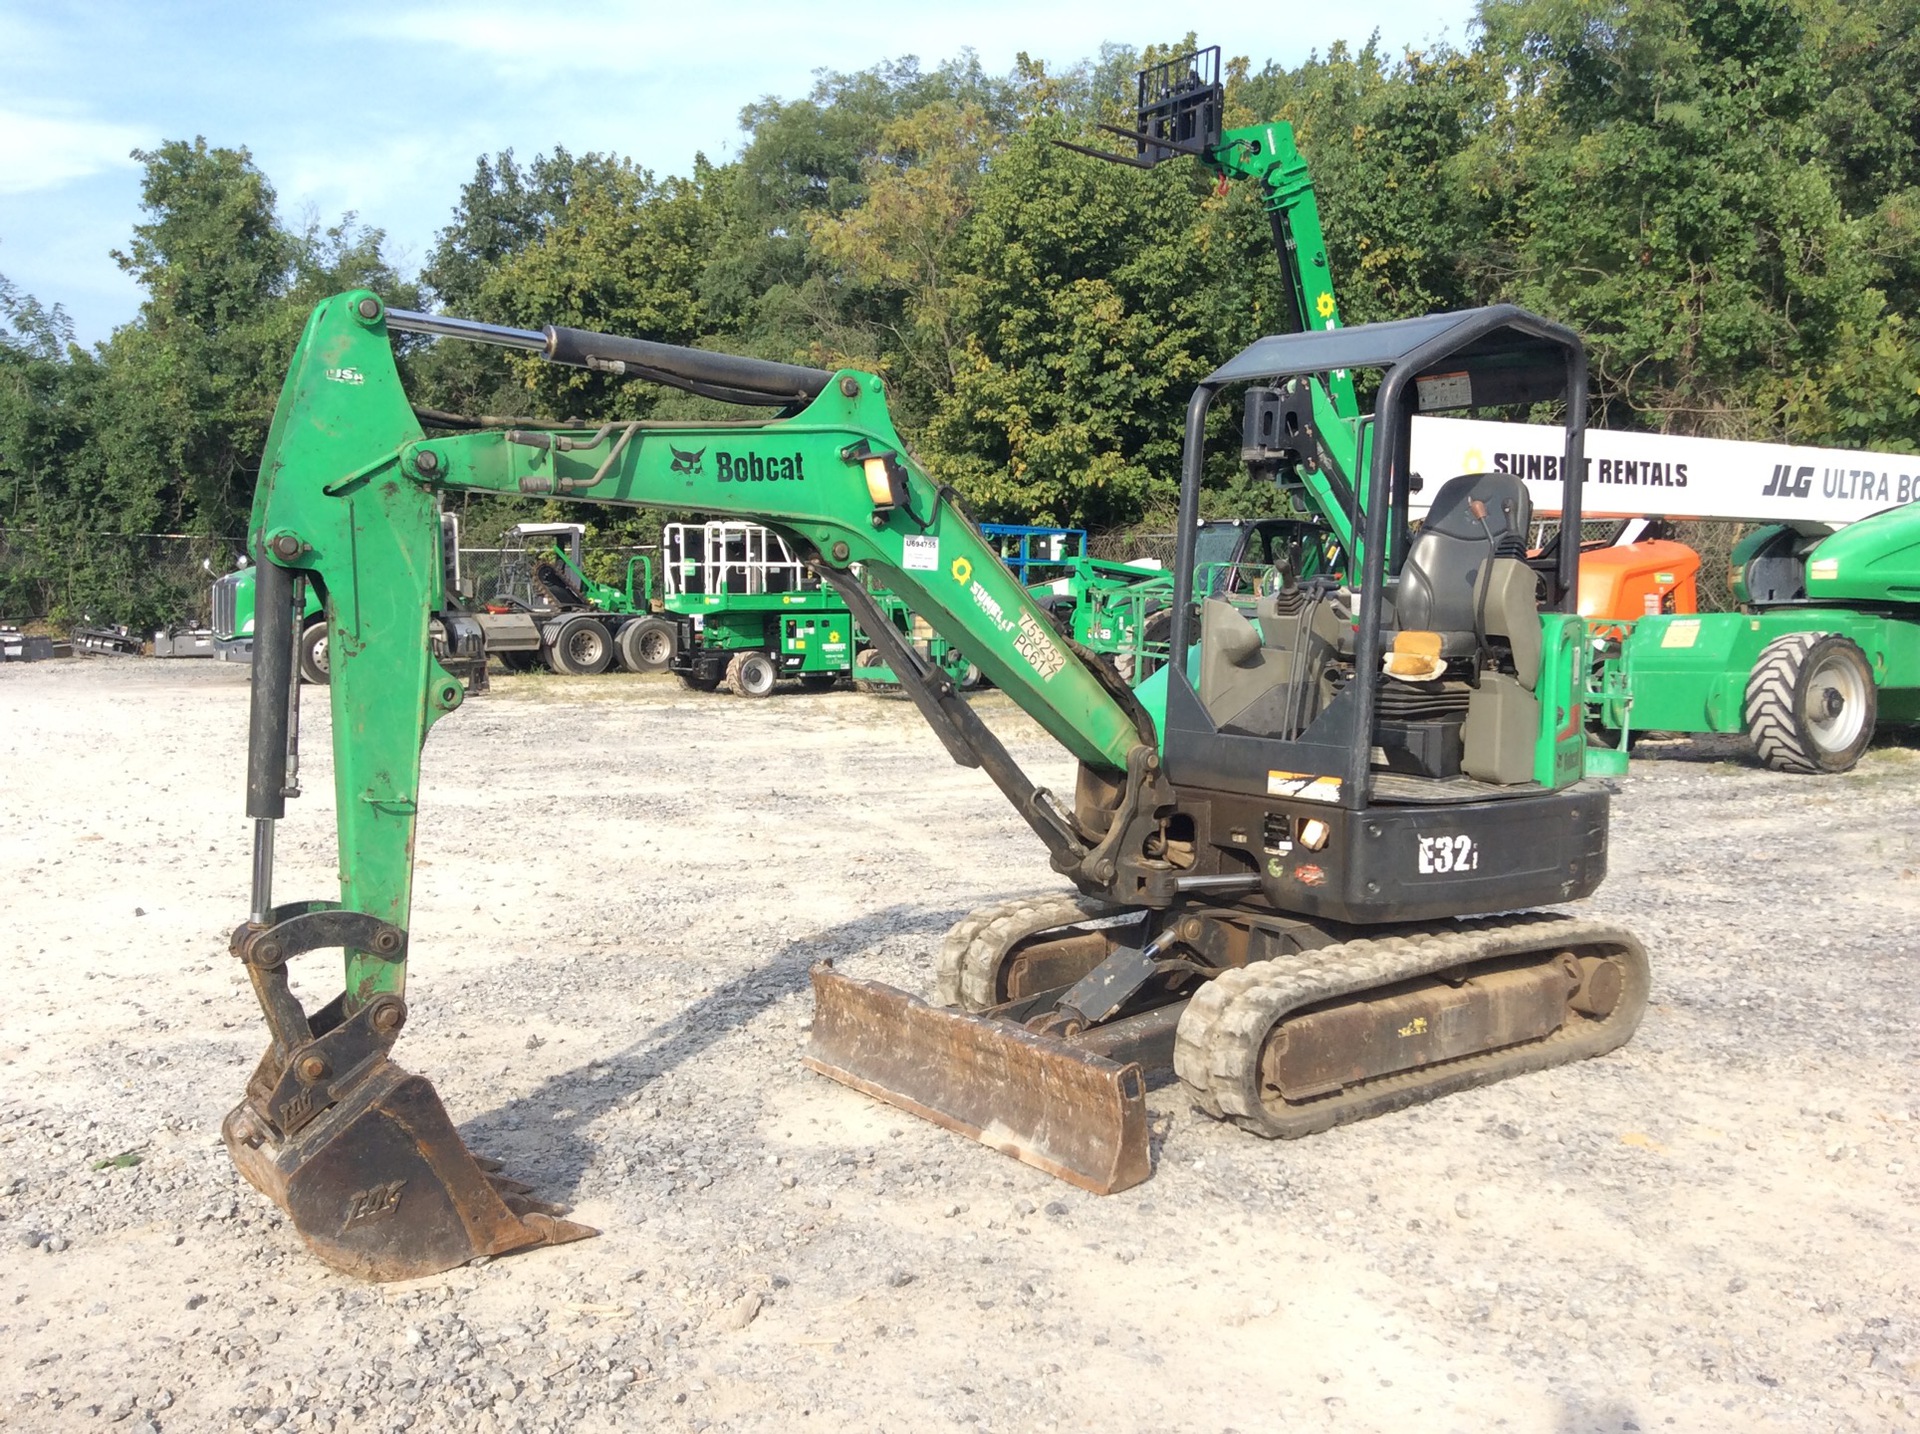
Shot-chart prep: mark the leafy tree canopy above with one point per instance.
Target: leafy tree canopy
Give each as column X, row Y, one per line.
column 1722, row 195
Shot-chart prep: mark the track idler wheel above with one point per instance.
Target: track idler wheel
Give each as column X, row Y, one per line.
column 358, row 1152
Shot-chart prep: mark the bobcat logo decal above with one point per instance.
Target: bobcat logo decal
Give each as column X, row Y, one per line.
column 685, row 462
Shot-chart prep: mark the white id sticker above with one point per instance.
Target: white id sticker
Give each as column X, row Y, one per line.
column 920, row 554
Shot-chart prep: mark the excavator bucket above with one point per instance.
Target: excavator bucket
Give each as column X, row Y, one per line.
column 379, row 1183
column 1069, row 1112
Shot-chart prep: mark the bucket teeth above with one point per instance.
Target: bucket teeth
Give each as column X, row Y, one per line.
column 554, row 1231
column 530, row 1205
column 380, row 1185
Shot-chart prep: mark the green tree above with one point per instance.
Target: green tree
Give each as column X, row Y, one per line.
column 505, row 207
column 160, row 429
column 1659, row 175
column 1094, row 298
column 900, row 254
column 191, row 385
column 623, row 256
column 806, row 162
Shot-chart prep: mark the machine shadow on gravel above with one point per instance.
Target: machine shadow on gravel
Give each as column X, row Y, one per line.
column 1729, row 750
column 556, row 1145
column 1580, row 1415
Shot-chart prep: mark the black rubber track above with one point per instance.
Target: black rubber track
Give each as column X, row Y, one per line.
column 1224, row 1028
column 976, row 947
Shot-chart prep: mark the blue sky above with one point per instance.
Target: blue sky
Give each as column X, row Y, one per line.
column 382, row 108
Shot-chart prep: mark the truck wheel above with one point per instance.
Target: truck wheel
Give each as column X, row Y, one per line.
column 752, row 674
column 1810, row 703
column 645, row 645
column 870, row 658
column 699, row 684
column 314, row 663
column 581, row 647
column 519, row 661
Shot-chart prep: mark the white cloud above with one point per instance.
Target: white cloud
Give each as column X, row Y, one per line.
column 44, row 151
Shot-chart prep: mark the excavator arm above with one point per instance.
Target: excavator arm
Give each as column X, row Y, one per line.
column 360, row 1153
column 348, row 497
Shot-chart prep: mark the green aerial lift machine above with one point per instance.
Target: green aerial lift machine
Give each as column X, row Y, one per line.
column 1825, row 648
column 1307, row 880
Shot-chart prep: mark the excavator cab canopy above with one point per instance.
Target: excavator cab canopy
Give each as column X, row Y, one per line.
column 1500, row 357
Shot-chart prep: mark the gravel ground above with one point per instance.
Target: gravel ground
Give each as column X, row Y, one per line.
column 621, row 887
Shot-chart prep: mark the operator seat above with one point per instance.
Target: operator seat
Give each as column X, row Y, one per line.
column 1466, row 579
column 1444, row 587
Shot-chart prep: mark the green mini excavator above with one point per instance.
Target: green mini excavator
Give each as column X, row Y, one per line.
column 1307, row 861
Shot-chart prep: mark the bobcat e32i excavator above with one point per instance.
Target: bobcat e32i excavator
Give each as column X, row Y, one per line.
column 1298, row 854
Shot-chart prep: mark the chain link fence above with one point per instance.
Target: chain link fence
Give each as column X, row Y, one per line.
column 1714, row 541
column 1125, row 546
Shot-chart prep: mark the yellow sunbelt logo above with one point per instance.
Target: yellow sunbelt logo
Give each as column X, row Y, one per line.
column 962, row 570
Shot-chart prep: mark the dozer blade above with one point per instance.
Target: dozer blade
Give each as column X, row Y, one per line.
column 1071, row 1113
column 380, row 1185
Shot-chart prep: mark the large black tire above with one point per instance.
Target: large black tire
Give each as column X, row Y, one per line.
column 819, row 681
column 646, row 644
column 699, row 684
column 580, row 647
column 519, row 660
column 315, row 666
column 869, row 658
column 1601, row 735
column 1811, row 703
column 752, row 674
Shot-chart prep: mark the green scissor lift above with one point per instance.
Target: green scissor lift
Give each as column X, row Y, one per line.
column 748, row 612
